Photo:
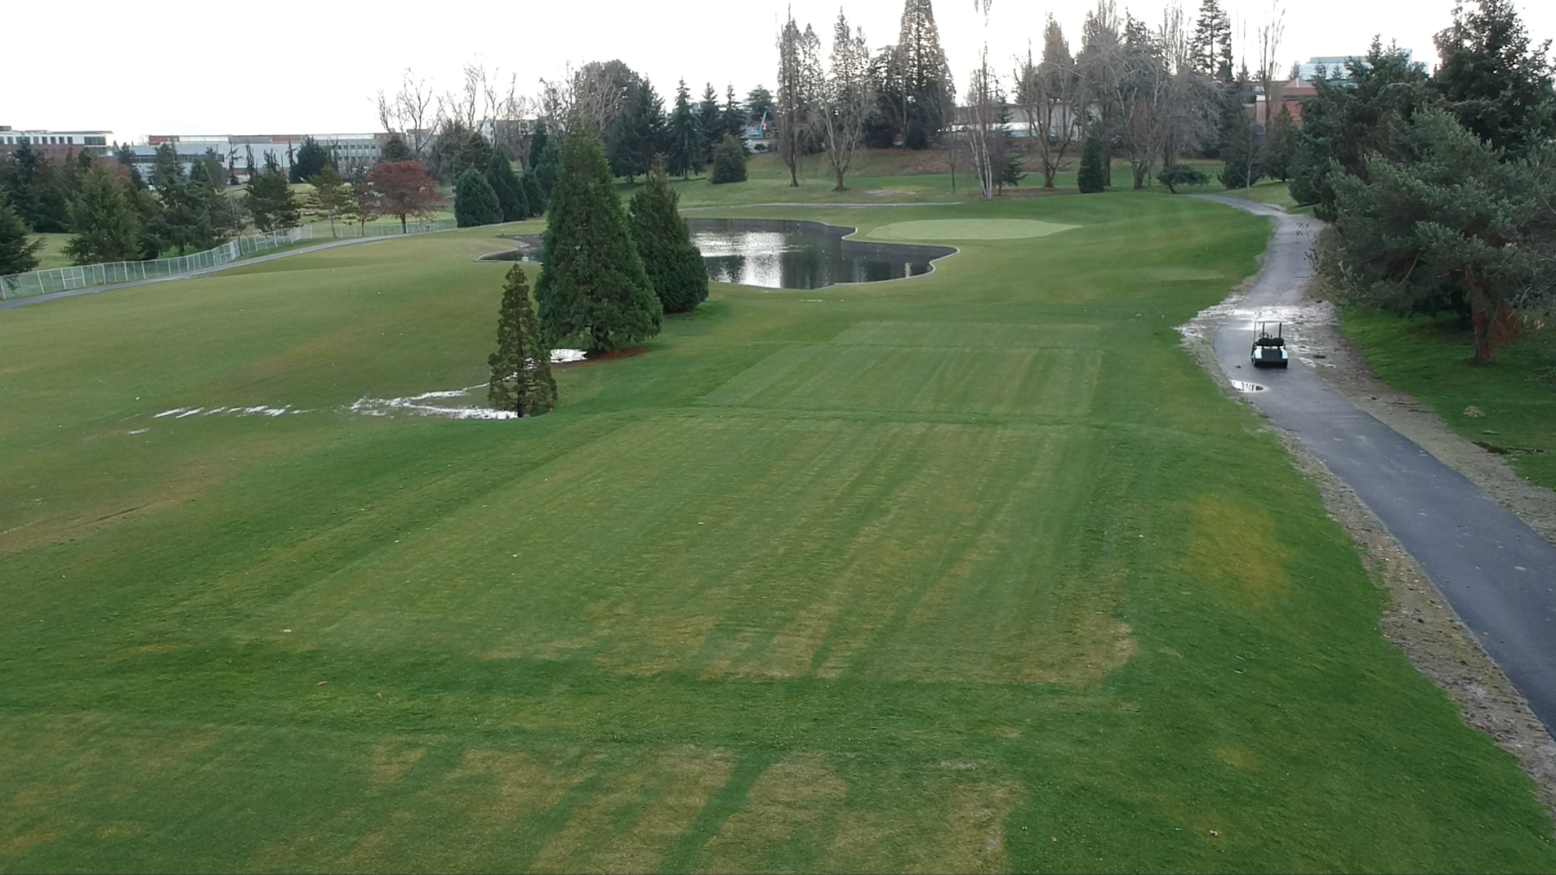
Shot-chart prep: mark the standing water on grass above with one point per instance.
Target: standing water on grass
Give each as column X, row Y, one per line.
column 774, row 254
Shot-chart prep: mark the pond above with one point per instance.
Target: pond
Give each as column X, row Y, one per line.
column 780, row 254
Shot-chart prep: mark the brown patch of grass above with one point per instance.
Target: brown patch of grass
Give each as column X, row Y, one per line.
column 121, row 829
column 1232, row 544
column 972, row 838
column 793, row 796
column 517, row 784
column 633, row 826
column 19, row 845
column 388, row 763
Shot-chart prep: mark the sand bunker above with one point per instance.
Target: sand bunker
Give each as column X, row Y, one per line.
column 968, row 229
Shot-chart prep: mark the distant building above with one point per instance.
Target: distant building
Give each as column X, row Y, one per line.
column 1332, row 66
column 55, row 145
column 240, row 151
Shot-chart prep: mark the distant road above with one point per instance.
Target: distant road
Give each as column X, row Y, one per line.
column 1496, row 572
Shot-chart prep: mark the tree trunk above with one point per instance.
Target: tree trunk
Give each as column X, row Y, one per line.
column 840, row 186
column 1480, row 316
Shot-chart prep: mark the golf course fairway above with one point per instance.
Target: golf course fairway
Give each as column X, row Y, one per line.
column 975, row 571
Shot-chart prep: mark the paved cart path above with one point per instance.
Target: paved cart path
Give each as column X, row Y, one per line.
column 1499, row 575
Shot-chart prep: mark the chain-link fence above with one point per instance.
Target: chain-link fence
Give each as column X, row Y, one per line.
column 86, row 276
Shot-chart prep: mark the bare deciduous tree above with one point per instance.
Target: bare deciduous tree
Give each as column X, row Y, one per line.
column 846, row 98
column 981, row 124
column 410, row 113
column 586, row 92
column 795, row 104
column 1050, row 95
column 1270, row 35
column 1100, row 64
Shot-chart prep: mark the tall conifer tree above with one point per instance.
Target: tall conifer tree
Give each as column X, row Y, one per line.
column 521, row 366
column 17, row 253
column 106, row 225
column 708, row 116
column 592, row 283
column 673, row 264
column 510, row 193
column 685, row 148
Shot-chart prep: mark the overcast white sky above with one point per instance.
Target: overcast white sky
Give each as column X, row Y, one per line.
column 316, row 67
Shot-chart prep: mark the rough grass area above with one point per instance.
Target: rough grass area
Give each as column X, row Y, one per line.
column 1270, row 191
column 1516, row 394
column 53, row 252
column 973, row 572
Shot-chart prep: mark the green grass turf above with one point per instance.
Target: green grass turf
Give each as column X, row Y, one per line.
column 972, row 571
column 1431, row 359
column 1269, row 191
column 53, row 252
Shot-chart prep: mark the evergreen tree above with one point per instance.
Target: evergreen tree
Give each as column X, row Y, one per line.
column 1210, row 46
column 1279, row 140
column 1451, row 227
column 709, row 120
column 1009, row 170
column 510, row 192
column 17, row 253
column 920, row 89
column 311, row 157
column 734, row 115
column 684, row 152
column 759, row 104
column 546, row 164
column 394, row 150
column 673, row 264
column 1242, row 155
column 537, row 146
column 331, row 200
column 1090, row 176
column 592, row 283
column 534, row 198
column 638, row 132
column 476, row 154
column 215, row 169
column 106, row 226
column 729, row 162
column 37, row 191
column 475, row 203
column 1352, row 117
column 1494, row 82
column 270, row 201
column 521, row 366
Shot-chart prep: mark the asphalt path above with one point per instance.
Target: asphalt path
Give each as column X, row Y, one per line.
column 55, row 296
column 1496, row 572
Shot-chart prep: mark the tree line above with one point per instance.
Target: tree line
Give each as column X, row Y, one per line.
column 1441, row 187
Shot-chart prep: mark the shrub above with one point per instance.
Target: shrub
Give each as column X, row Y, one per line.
column 729, row 161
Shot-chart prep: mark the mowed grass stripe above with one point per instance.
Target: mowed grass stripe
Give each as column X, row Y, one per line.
column 1018, row 382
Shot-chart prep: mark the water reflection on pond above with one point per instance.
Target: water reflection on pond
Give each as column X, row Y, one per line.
column 777, row 254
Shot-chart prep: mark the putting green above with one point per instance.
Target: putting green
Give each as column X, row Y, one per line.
column 969, row 229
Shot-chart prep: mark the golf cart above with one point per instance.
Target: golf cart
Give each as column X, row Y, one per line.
column 1269, row 351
